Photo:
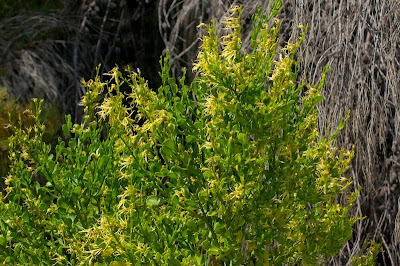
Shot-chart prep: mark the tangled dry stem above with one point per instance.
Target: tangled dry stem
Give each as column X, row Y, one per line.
column 31, row 64
column 46, row 54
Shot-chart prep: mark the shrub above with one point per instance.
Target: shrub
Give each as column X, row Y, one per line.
column 230, row 169
column 10, row 109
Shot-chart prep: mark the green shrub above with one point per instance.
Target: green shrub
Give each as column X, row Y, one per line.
column 10, row 109
column 230, row 169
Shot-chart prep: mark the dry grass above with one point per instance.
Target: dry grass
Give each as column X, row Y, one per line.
column 360, row 41
column 45, row 54
column 30, row 61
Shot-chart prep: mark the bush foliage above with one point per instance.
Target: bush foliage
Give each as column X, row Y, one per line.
column 12, row 111
column 230, row 169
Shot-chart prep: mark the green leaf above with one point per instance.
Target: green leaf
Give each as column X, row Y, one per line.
column 77, row 190
column 208, row 174
column 153, row 201
column 242, row 138
column 108, row 252
column 37, row 186
column 168, row 148
column 190, row 138
column 17, row 249
column 203, row 195
column 174, row 262
column 206, row 244
column 117, row 263
column 60, row 149
column 191, row 224
column 180, row 107
column 26, row 217
column 175, row 200
column 213, row 251
column 199, row 125
column 219, row 227
column 66, row 128
column 3, row 241
column 191, row 205
column 318, row 99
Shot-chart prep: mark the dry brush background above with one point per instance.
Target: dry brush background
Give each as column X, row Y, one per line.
column 359, row 39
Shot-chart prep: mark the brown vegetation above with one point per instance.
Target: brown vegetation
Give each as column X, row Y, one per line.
column 46, row 53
